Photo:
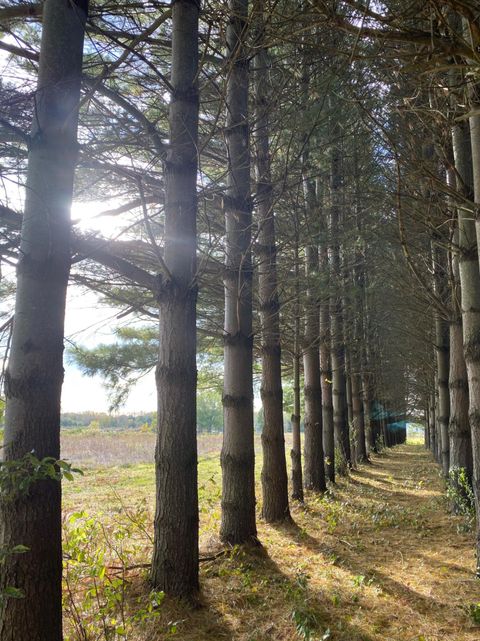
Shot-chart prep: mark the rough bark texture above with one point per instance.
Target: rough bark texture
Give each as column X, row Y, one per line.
column 358, row 420
column 358, row 347
column 296, row 451
column 237, row 457
column 274, row 470
column 426, row 418
column 367, row 379
column 34, row 376
column 459, row 428
column 326, row 380
column 475, row 146
column 438, row 431
column 431, row 417
column 472, row 345
column 325, row 344
column 314, row 475
column 175, row 553
column 442, row 354
column 348, row 400
column 340, row 422
column 367, row 414
column 470, row 284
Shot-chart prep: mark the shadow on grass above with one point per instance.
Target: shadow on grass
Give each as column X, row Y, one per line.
column 297, row 534
column 269, row 604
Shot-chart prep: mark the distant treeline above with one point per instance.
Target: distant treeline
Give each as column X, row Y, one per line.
column 209, row 420
column 101, row 420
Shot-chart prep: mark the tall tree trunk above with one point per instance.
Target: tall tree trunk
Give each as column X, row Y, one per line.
column 384, row 424
column 459, row 427
column 438, row 428
column 238, row 457
column 326, row 375
column 34, row 376
column 474, row 121
column 472, row 346
column 296, row 452
column 358, row 419
column 358, row 347
column 365, row 358
column 442, row 355
column 348, row 399
column 336, row 318
column 470, row 285
column 314, row 458
column 175, row 552
column 274, row 471
column 460, row 437
column 433, row 434
column 427, row 425
column 367, row 414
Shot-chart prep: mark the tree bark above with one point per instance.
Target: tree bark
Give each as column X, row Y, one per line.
column 459, row 428
column 296, row 452
column 238, row 457
column 34, row 376
column 274, row 471
column 340, row 422
column 427, row 426
column 367, row 413
column 175, row 552
column 442, row 354
column 470, row 285
column 432, row 431
column 348, row 399
column 358, row 419
column 325, row 368
column 314, row 458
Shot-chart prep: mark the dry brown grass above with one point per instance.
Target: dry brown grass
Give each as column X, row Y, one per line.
column 377, row 560
column 123, row 447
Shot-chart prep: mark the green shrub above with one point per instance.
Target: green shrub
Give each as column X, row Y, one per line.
column 460, row 495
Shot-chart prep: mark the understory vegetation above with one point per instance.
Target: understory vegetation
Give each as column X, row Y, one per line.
column 377, row 558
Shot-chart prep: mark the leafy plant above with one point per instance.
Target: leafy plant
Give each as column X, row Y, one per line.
column 360, row 580
column 99, row 559
column 16, row 479
column 10, row 592
column 473, row 611
column 332, row 513
column 305, row 622
column 19, row 475
column 460, row 494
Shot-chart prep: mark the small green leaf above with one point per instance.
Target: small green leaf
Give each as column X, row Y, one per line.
column 13, row 593
column 20, row 549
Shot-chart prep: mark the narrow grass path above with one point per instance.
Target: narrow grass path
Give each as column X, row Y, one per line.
column 380, row 559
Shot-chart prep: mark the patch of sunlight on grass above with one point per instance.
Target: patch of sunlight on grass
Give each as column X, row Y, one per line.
column 375, row 559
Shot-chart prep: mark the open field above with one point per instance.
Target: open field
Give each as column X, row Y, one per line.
column 109, row 447
column 378, row 559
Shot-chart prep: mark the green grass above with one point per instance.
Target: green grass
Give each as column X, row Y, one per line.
column 375, row 559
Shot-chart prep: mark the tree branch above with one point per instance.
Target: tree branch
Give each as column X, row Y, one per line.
column 20, row 11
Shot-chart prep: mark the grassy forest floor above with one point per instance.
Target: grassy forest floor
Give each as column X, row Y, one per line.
column 378, row 559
